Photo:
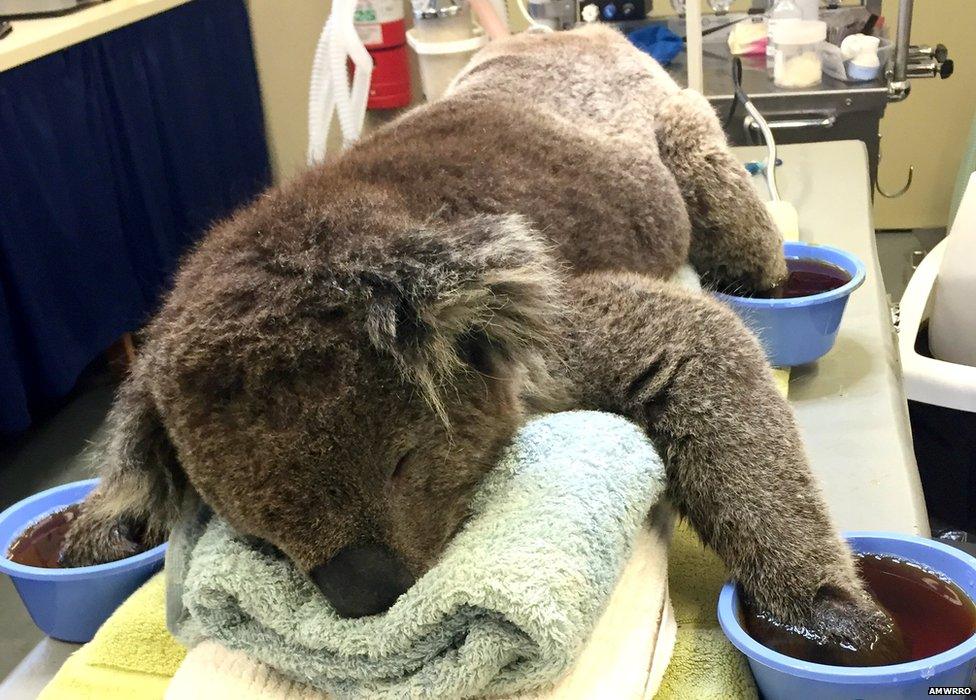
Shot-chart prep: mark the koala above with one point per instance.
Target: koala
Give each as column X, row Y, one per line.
column 339, row 363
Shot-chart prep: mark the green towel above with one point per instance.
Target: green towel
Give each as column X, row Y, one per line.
column 507, row 608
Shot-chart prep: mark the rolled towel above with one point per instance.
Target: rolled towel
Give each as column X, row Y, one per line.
column 507, row 608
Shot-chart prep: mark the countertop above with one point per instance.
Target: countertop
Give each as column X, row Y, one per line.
column 757, row 81
column 36, row 37
column 850, row 404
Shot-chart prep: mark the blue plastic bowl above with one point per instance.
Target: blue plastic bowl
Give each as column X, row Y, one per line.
column 70, row 604
column 798, row 331
column 780, row 676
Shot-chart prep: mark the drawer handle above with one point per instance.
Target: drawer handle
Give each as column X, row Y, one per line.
column 818, row 123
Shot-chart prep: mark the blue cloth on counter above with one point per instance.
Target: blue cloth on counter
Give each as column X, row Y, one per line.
column 658, row 41
column 115, row 154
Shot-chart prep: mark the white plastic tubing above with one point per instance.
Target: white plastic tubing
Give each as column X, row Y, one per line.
column 329, row 88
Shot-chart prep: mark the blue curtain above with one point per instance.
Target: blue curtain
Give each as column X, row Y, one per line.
column 115, row 155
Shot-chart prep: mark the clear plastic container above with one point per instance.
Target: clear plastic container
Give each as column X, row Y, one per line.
column 782, row 10
column 809, row 9
column 796, row 55
column 441, row 61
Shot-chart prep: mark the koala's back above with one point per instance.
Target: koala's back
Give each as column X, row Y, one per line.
column 600, row 204
column 592, row 76
column 279, row 291
column 569, row 146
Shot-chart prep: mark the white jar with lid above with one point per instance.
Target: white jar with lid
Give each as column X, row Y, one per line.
column 796, row 59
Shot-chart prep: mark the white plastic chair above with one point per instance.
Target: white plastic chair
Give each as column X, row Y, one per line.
column 942, row 393
column 929, row 380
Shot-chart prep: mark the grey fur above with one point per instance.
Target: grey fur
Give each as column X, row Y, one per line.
column 343, row 359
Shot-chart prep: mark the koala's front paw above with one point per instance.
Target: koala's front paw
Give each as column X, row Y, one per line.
column 843, row 630
column 95, row 538
column 856, row 631
column 758, row 272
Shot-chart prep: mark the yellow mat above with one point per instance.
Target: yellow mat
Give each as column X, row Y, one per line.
column 134, row 656
column 704, row 666
column 131, row 656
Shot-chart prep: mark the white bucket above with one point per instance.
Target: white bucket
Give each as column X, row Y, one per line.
column 440, row 61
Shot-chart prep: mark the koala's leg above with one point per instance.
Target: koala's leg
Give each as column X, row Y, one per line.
column 683, row 366
column 733, row 238
column 140, row 488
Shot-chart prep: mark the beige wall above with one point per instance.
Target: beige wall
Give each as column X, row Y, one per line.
column 285, row 33
column 928, row 130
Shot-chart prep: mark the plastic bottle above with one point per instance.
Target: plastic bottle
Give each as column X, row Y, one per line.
column 782, row 10
column 809, row 9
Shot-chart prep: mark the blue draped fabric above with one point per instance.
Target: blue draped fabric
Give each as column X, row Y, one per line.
column 115, row 155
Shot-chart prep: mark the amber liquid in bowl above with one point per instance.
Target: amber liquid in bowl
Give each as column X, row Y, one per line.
column 40, row 544
column 805, row 277
column 932, row 613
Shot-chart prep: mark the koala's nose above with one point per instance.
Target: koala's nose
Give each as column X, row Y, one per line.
column 362, row 580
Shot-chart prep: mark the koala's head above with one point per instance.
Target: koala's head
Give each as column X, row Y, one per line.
column 343, row 404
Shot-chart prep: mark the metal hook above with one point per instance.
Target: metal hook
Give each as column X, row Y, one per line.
column 903, row 190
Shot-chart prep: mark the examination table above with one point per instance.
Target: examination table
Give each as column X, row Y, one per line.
column 850, row 404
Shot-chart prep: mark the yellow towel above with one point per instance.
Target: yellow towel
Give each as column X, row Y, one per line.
column 131, row 656
column 704, row 664
column 134, row 656
column 782, row 378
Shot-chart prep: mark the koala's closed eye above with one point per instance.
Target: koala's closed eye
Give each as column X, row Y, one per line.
column 401, row 465
column 474, row 349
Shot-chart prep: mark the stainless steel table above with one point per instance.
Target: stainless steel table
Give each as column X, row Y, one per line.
column 832, row 110
column 850, row 404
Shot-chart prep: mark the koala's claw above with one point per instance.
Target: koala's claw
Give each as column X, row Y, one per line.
column 858, row 632
column 842, row 631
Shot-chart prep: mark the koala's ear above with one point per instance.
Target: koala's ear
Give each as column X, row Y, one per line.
column 481, row 294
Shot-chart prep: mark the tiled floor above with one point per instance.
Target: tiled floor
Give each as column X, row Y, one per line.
column 49, row 454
